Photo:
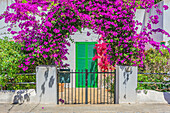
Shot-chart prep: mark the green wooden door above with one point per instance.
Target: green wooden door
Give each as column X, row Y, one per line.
column 84, row 53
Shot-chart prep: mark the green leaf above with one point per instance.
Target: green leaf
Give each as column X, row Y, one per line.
column 24, row 1
column 53, row 22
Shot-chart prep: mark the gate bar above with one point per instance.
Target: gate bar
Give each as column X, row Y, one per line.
column 104, row 86
column 78, row 87
column 65, row 93
column 57, row 86
column 111, row 90
column 97, row 87
column 86, row 87
column 116, row 88
column 100, row 88
column 72, row 87
column 94, row 89
column 82, row 87
column 68, row 92
column 90, row 88
column 75, row 87
column 107, row 89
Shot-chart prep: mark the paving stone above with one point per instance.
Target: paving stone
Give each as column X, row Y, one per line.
column 113, row 108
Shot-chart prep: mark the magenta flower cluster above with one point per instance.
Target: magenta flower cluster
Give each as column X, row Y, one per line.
column 46, row 26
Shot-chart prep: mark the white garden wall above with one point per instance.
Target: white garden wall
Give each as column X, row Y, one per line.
column 143, row 97
column 164, row 21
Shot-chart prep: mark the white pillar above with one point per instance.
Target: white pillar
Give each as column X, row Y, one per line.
column 126, row 84
column 46, row 84
column 166, row 22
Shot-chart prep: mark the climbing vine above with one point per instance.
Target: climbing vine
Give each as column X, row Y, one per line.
column 46, row 26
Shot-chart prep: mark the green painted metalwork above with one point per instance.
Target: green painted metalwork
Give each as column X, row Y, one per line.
column 84, row 53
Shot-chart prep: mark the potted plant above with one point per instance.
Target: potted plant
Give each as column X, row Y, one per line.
column 162, row 42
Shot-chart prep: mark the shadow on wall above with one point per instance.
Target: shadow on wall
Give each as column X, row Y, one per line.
column 21, row 96
column 167, row 96
column 42, row 87
column 43, row 90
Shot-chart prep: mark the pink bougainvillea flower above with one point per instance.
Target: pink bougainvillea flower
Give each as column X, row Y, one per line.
column 45, row 43
column 115, row 33
column 122, row 61
column 50, row 35
column 88, row 33
column 27, row 63
column 55, row 55
column 25, row 68
column 1, row 17
column 56, row 30
column 9, row 29
column 165, row 7
column 59, row 34
column 26, row 59
column 20, row 66
column 47, row 49
column 48, row 24
column 111, row 40
column 159, row 12
column 56, row 62
column 156, row 6
column 33, row 62
column 13, row 32
column 156, row 17
column 148, row 10
column 120, row 54
column 45, row 56
column 149, row 26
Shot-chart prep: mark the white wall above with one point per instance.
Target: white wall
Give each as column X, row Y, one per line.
column 157, row 36
column 139, row 15
column 79, row 37
column 3, row 5
column 164, row 21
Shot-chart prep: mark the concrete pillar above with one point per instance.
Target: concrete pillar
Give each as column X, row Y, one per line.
column 126, row 84
column 46, row 84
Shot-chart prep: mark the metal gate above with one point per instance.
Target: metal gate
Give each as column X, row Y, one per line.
column 83, row 87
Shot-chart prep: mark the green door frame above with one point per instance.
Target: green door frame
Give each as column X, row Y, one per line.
column 86, row 64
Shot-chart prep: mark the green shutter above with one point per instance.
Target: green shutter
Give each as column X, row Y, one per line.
column 84, row 53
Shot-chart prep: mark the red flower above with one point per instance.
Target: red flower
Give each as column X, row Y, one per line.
column 95, row 57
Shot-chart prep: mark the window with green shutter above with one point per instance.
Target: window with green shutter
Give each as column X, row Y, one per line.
column 84, row 53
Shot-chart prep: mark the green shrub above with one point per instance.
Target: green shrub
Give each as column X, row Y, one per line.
column 11, row 57
column 155, row 63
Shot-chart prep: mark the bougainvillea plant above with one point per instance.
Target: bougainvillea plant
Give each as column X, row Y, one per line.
column 101, row 55
column 46, row 26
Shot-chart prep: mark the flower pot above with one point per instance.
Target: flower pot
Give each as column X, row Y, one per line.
column 162, row 42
